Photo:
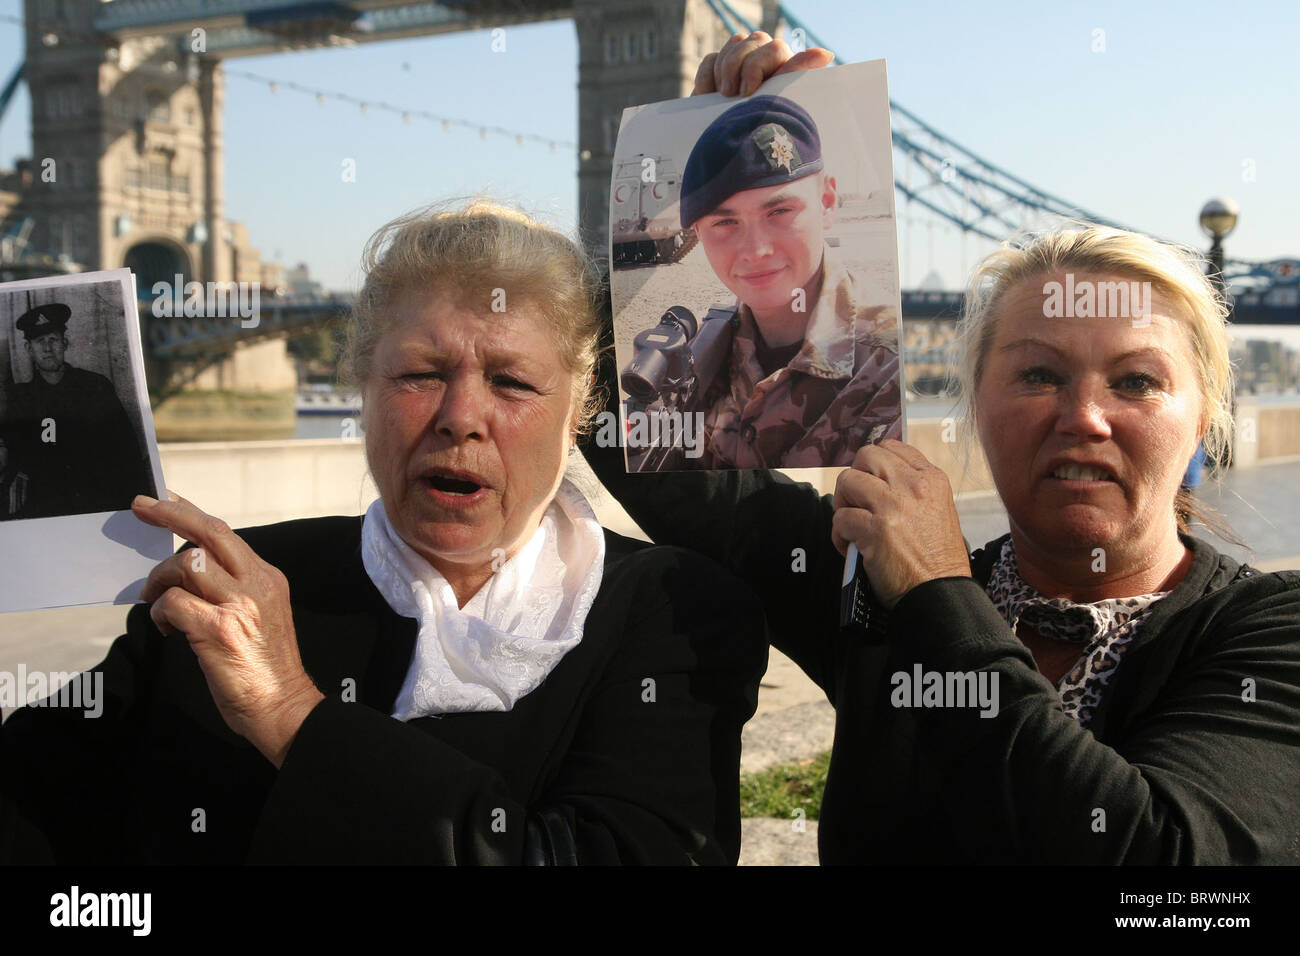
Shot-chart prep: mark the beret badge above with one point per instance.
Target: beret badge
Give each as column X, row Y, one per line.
column 777, row 147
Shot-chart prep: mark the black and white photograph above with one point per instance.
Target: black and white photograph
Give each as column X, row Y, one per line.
column 76, row 436
column 754, row 275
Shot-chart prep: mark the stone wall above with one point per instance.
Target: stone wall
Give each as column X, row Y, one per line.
column 258, row 482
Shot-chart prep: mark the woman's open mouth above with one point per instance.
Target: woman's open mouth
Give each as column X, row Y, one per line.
column 1082, row 474
column 454, row 490
column 453, row 486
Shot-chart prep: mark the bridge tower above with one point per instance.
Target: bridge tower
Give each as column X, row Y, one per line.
column 127, row 170
column 127, row 149
column 632, row 52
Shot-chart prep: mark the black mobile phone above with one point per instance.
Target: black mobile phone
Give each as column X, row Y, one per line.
column 859, row 609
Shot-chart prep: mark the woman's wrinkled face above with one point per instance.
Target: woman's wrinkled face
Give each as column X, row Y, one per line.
column 1088, row 423
column 468, row 419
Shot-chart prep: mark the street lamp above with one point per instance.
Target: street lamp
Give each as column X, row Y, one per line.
column 1218, row 219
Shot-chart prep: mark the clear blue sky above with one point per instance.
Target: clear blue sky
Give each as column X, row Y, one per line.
column 1145, row 132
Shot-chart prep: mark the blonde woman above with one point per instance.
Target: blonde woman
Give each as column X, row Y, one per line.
column 1097, row 686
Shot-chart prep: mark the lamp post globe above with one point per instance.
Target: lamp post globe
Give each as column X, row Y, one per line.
column 1218, row 218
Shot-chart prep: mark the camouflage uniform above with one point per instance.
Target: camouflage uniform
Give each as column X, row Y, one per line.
column 839, row 392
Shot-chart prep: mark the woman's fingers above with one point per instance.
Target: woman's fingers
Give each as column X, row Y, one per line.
column 704, row 82
column 731, row 60
column 854, row 526
column 194, row 570
column 859, row 496
column 189, row 522
column 745, row 62
column 855, row 488
column 897, row 464
column 720, row 62
column 898, row 509
column 707, row 76
column 176, row 609
column 763, row 62
column 905, row 452
column 813, row 58
column 873, row 461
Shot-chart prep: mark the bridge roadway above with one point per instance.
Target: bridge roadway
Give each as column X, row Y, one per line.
column 221, row 327
column 238, row 28
column 180, row 336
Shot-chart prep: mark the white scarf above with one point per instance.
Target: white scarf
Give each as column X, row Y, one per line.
column 512, row 633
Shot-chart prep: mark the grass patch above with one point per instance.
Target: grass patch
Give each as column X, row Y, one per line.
column 778, row 791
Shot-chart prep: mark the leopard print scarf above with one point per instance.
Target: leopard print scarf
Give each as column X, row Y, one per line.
column 1103, row 629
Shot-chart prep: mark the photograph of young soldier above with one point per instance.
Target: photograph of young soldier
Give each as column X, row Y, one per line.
column 68, row 431
column 811, row 372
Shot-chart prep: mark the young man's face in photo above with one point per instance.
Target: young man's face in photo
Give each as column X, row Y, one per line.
column 764, row 243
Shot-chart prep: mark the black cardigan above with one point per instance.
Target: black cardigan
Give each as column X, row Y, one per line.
column 1177, row 765
column 633, row 740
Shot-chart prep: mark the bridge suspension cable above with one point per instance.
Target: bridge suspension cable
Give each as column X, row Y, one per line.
column 962, row 187
column 406, row 113
column 321, row 95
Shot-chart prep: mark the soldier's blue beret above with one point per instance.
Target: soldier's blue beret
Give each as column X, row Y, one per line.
column 44, row 319
column 763, row 141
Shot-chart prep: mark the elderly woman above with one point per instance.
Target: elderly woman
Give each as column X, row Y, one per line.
column 474, row 672
column 1096, row 686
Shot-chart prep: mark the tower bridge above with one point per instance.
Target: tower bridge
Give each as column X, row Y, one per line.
column 127, row 104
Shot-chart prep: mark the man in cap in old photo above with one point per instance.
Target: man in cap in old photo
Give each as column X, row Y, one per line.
column 68, row 428
column 813, row 370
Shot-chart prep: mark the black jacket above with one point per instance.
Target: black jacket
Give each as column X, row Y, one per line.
column 628, row 752
column 64, row 433
column 1192, row 757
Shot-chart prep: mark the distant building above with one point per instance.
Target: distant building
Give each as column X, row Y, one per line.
column 1265, row 367
column 299, row 281
column 933, row 282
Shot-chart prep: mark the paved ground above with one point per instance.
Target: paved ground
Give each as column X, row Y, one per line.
column 767, row 842
column 794, row 722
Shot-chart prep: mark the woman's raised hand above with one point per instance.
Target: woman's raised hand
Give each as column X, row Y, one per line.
column 898, row 509
column 234, row 609
column 744, row 62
